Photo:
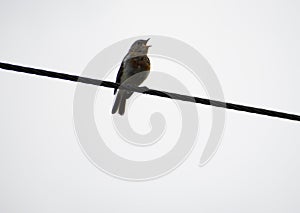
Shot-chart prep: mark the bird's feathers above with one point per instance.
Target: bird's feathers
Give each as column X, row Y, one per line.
column 132, row 72
column 119, row 75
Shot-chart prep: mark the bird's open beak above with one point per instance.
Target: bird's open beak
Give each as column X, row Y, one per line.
column 147, row 42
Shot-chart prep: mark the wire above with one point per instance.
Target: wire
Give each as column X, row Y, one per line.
column 96, row 82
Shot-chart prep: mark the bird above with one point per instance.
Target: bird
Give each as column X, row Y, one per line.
column 134, row 70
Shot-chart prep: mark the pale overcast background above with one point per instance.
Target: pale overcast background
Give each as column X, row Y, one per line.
column 253, row 46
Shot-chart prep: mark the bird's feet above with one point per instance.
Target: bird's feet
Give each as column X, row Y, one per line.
column 144, row 89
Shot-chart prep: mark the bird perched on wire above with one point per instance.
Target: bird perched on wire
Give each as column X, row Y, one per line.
column 134, row 70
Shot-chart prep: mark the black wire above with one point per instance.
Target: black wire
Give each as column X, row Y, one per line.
column 164, row 94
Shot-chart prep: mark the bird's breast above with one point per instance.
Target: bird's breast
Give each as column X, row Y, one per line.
column 140, row 63
column 133, row 66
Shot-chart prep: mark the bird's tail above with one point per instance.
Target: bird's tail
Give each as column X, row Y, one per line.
column 122, row 105
column 119, row 104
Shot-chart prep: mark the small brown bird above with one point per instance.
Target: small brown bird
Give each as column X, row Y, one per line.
column 134, row 70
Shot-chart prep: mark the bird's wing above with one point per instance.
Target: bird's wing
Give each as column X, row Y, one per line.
column 119, row 75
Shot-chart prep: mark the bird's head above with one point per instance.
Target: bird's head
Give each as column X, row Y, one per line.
column 140, row 47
